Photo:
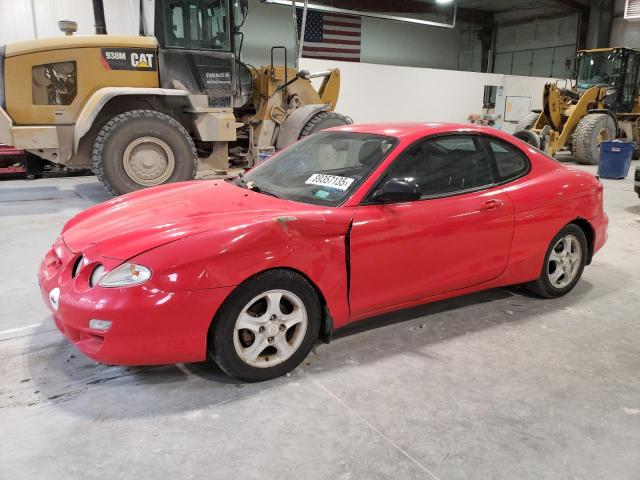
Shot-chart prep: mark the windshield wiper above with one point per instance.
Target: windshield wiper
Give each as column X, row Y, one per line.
column 242, row 183
column 257, row 189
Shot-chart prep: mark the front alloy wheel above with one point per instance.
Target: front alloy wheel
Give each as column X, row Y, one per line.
column 266, row 327
column 270, row 328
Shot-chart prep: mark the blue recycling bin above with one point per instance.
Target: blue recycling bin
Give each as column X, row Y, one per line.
column 615, row 159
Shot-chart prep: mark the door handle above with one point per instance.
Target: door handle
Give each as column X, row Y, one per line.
column 491, row 205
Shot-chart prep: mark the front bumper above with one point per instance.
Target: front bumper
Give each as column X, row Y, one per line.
column 149, row 326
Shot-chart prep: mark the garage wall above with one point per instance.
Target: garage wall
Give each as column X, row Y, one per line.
column 538, row 48
column 18, row 22
column 383, row 41
column 623, row 32
column 373, row 93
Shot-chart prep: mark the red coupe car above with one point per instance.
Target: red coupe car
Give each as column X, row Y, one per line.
column 349, row 223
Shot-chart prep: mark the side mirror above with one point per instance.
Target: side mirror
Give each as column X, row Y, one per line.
column 396, row 190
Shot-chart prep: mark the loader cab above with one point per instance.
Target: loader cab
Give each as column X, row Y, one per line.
column 616, row 69
column 197, row 40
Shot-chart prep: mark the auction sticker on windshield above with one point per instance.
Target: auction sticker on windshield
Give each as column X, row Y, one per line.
column 330, row 181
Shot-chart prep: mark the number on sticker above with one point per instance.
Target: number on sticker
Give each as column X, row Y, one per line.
column 330, row 181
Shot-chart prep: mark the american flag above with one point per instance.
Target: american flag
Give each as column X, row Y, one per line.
column 331, row 36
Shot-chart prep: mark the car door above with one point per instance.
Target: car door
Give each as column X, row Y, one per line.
column 457, row 235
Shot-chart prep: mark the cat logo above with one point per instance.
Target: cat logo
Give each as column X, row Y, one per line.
column 141, row 60
column 132, row 59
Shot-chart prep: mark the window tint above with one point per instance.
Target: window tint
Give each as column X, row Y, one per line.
column 444, row 165
column 511, row 163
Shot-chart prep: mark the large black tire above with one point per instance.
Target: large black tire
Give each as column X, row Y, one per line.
column 223, row 330
column 122, row 131
column 543, row 285
column 527, row 121
column 528, row 136
column 323, row 120
column 592, row 129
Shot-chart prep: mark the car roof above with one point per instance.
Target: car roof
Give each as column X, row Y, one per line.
column 412, row 129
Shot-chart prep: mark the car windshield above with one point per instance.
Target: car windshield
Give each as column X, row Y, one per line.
column 323, row 169
column 599, row 69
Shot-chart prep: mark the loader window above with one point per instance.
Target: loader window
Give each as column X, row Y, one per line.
column 54, row 83
column 195, row 24
column 599, row 69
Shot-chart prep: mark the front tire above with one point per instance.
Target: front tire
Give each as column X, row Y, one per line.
column 266, row 327
column 563, row 264
column 591, row 131
column 143, row 148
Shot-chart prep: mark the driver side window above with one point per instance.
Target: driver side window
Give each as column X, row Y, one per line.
column 444, row 166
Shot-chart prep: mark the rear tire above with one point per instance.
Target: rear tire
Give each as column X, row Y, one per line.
column 254, row 338
column 143, row 148
column 563, row 264
column 323, row 120
column 592, row 129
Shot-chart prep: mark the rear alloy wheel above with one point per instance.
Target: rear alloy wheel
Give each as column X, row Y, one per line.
column 266, row 327
column 143, row 148
column 563, row 265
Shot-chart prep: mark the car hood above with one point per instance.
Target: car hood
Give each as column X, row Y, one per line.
column 134, row 223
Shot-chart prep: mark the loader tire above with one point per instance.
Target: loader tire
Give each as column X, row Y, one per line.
column 323, row 120
column 592, row 129
column 526, row 122
column 143, row 148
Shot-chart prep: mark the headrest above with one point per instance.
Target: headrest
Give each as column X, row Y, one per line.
column 370, row 152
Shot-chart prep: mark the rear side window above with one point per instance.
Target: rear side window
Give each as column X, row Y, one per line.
column 511, row 163
column 445, row 165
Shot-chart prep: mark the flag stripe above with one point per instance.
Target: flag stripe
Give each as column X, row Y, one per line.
column 326, row 48
column 331, row 39
column 342, row 24
column 338, row 32
column 334, row 57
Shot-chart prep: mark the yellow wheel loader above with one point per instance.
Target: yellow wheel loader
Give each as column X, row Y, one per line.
column 157, row 108
column 604, row 104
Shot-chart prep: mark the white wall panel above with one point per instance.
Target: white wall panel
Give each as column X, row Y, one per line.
column 16, row 22
column 420, row 94
column 17, row 18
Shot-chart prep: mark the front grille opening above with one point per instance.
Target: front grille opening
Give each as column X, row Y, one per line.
column 76, row 266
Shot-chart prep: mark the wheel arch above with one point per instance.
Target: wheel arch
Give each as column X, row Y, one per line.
column 110, row 101
column 326, row 320
column 589, row 233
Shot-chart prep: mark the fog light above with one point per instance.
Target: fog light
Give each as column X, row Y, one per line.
column 102, row 325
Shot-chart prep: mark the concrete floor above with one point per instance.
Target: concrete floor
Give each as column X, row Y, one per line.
column 496, row 385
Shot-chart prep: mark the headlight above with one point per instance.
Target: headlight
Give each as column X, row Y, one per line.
column 126, row 275
column 96, row 275
column 610, row 91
